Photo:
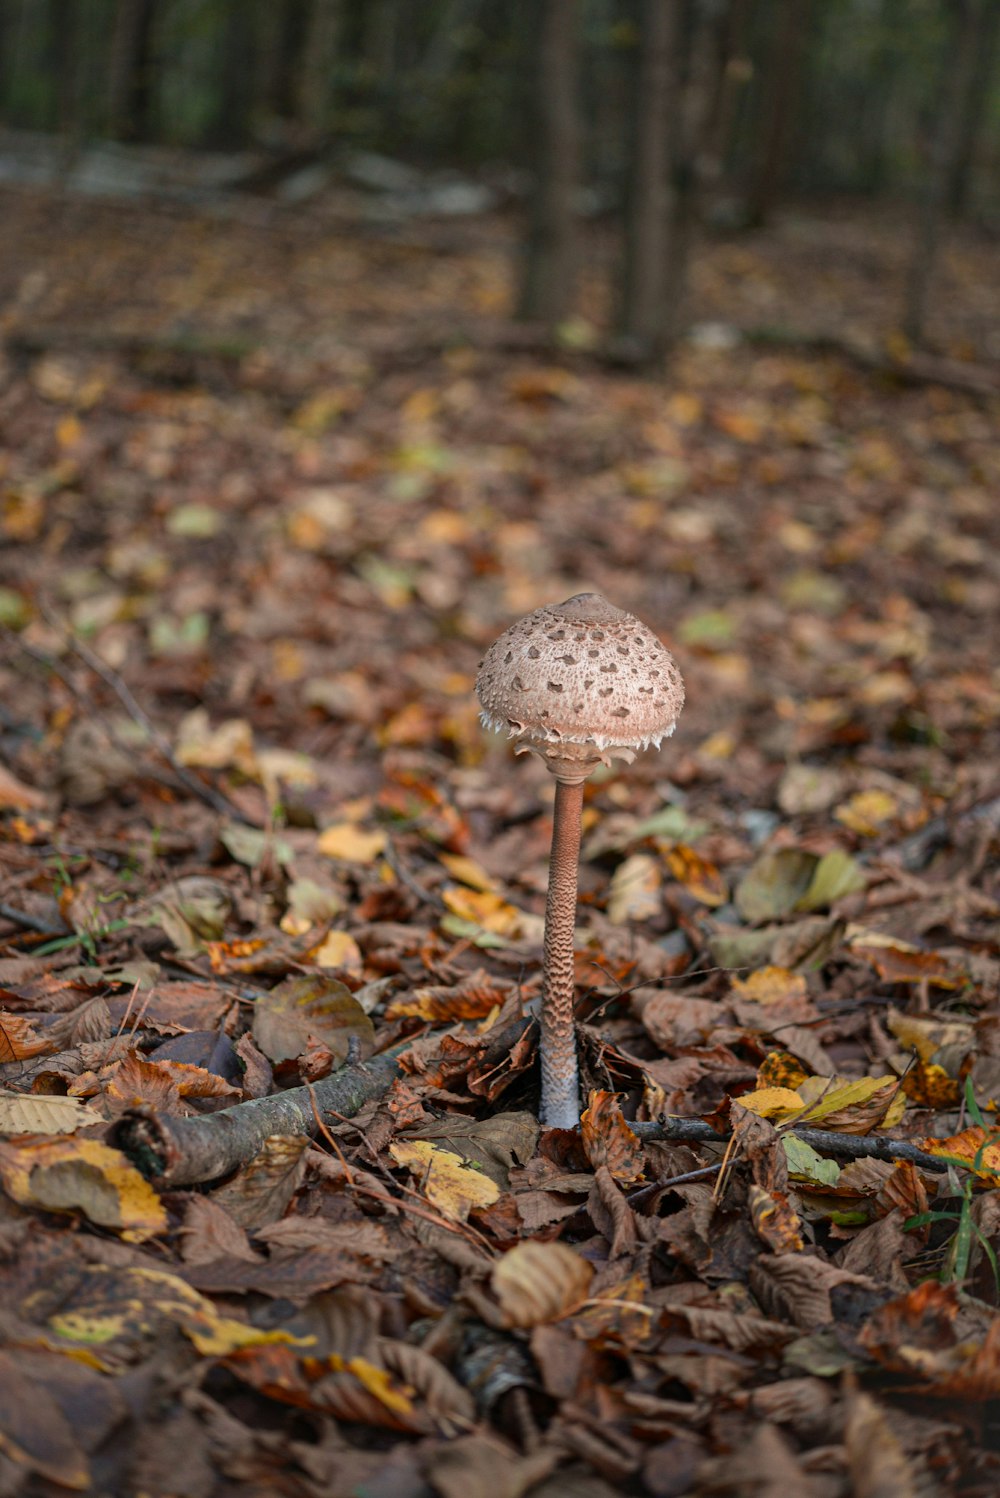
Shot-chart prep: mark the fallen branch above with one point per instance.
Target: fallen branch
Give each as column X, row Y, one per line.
column 854, row 1146
column 183, row 1151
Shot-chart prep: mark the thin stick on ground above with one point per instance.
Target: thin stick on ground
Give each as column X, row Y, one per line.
column 853, row 1146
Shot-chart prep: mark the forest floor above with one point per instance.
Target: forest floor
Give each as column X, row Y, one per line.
column 269, row 485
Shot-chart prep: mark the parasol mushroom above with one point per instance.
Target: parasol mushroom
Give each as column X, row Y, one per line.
column 577, row 683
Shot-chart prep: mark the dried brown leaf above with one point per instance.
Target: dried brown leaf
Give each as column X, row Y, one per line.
column 608, row 1140
column 539, row 1282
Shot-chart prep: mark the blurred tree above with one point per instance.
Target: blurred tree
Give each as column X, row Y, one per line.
column 319, row 56
column 64, row 43
column 549, row 280
column 679, row 69
column 973, row 106
column 234, row 99
column 967, row 25
column 788, row 22
column 285, row 25
column 642, row 323
column 131, row 81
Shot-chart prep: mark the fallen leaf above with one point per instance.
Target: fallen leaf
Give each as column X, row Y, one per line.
column 35, row 1435
column 29, row 1113
column 772, row 1102
column 338, row 950
column 852, row 1107
column 771, row 985
column 698, row 876
column 454, row 1188
column 608, row 1140
column 83, row 1175
column 635, row 890
column 286, row 1016
column 350, row 843
column 484, row 909
column 540, row 1282
column 867, row 812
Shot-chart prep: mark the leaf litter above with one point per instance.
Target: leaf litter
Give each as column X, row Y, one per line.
column 251, row 832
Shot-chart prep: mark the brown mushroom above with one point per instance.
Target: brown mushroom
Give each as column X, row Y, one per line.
column 577, row 683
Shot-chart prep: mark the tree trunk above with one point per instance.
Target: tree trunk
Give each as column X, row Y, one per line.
column 986, row 23
column 131, row 81
column 548, row 286
column 946, row 143
column 319, row 55
column 642, row 322
column 734, row 70
column 284, row 50
column 64, row 45
column 675, row 95
column 781, row 84
column 235, row 98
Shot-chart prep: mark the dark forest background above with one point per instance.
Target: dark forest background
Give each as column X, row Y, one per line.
column 662, row 117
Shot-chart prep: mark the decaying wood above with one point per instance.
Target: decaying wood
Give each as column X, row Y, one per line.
column 185, row 1151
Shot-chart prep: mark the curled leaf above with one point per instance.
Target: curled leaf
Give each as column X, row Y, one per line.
column 540, row 1282
column 321, row 1007
column 67, row 1175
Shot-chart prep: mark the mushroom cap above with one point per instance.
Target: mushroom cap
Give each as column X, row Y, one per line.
column 581, row 673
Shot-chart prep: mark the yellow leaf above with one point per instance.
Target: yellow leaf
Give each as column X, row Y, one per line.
column 352, row 844
column 67, row 1175
column 539, row 1282
column 483, row 908
column 375, row 1380
column 701, row 878
column 218, row 1336
column 89, row 1330
column 635, row 890
column 339, row 950
column 928, row 1034
column 227, row 746
column 966, row 1146
column 467, row 871
column 853, row 1107
column 867, row 812
column 68, row 431
column 455, row 1189
column 772, row 1102
column 771, row 985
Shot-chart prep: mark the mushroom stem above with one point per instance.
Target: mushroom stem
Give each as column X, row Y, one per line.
column 560, row 1078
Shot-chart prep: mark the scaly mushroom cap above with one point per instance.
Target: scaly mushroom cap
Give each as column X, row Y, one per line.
column 578, row 683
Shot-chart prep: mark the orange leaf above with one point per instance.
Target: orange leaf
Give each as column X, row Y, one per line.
column 701, row 878
column 608, row 1140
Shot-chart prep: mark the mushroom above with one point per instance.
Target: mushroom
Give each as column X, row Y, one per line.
column 577, row 683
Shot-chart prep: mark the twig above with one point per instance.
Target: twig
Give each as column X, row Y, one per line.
column 29, row 922
column 405, row 877
column 854, row 1146
column 645, row 1193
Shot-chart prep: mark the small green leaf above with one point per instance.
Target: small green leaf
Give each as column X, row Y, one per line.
column 806, row 1164
column 775, row 885
column 836, row 874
